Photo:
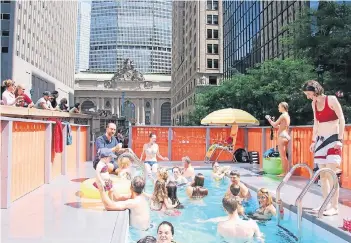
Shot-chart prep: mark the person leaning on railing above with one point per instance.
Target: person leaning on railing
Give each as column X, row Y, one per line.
column 8, row 96
column 26, row 101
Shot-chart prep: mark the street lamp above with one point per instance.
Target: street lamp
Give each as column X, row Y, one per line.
column 320, row 71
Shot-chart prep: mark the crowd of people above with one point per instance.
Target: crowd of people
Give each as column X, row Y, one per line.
column 328, row 130
column 14, row 95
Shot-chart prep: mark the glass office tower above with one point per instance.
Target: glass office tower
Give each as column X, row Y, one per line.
column 135, row 29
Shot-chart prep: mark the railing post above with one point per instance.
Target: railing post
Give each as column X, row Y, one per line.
column 246, row 138
column 290, row 148
column 130, row 136
column 48, row 153
column 170, row 137
column 78, row 148
column 6, row 163
column 88, row 144
column 64, row 151
column 208, row 138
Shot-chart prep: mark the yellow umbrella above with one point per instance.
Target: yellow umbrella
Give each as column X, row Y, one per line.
column 229, row 116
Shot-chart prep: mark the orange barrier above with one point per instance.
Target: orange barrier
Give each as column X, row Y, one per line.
column 83, row 137
column 28, row 158
column 72, row 151
column 193, row 142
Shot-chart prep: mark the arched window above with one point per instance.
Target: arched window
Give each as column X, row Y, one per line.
column 166, row 114
column 87, row 105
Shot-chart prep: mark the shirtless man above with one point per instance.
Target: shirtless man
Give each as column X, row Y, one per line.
column 282, row 124
column 178, row 177
column 236, row 228
column 243, row 190
column 137, row 204
column 189, row 171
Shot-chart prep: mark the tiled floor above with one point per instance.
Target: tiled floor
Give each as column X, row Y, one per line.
column 55, row 212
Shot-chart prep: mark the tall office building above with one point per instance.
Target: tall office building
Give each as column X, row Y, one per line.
column 253, row 31
column 83, row 36
column 38, row 45
column 140, row 30
column 197, row 56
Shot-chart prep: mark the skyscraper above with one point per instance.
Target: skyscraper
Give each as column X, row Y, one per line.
column 197, row 52
column 137, row 29
column 83, row 36
column 38, row 45
column 253, row 31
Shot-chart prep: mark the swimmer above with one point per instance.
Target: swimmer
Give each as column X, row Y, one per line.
column 189, row 171
column 244, row 193
column 148, row 239
column 178, row 177
column 282, row 124
column 151, row 151
column 235, row 191
column 102, row 175
column 165, row 233
column 124, row 168
column 137, row 204
column 235, row 227
column 159, row 198
column 172, row 194
column 219, row 172
column 266, row 210
column 197, row 190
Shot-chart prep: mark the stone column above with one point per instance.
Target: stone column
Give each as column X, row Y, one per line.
column 158, row 112
column 152, row 121
column 98, row 103
column 143, row 111
column 113, row 106
column 102, row 103
column 117, row 107
column 137, row 104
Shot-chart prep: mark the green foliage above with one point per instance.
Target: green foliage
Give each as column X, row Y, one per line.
column 260, row 91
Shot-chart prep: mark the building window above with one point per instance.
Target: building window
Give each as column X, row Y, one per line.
column 212, row 80
column 4, row 50
column 212, row 63
column 5, row 33
column 212, row 48
column 212, row 19
column 212, row 5
column 5, row 16
column 212, row 34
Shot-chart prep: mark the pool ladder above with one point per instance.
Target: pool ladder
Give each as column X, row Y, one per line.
column 298, row 202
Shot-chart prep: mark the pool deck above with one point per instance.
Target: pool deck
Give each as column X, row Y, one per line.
column 55, row 212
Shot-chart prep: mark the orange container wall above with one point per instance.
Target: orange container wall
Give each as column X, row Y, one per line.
column 271, row 143
column 190, row 142
column 255, row 141
column 141, row 135
column 301, row 138
column 56, row 162
column 83, row 136
column 72, row 151
column 28, row 158
column 346, row 160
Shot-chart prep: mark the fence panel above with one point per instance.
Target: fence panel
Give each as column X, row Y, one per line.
column 346, row 160
column 28, row 158
column 72, row 151
column 255, row 141
column 188, row 141
column 83, row 136
column 141, row 135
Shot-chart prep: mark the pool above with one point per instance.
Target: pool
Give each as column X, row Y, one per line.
column 190, row 228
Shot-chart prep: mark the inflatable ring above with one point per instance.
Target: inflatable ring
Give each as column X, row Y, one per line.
column 273, row 165
column 88, row 190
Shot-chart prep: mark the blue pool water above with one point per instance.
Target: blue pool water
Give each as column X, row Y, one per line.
column 190, row 229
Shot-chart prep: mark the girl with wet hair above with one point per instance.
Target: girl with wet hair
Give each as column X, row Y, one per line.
column 197, row 189
column 159, row 198
column 172, row 195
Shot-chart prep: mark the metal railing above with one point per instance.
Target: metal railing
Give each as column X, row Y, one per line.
column 298, row 202
column 285, row 180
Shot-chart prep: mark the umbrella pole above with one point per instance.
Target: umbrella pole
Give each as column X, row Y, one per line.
column 234, row 134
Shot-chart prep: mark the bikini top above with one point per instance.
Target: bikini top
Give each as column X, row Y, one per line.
column 327, row 114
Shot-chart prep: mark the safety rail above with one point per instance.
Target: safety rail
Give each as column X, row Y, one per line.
column 298, row 202
column 285, row 180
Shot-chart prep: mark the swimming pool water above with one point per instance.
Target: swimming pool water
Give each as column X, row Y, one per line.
column 189, row 227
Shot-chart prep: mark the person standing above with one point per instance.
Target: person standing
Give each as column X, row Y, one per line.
column 327, row 138
column 282, row 124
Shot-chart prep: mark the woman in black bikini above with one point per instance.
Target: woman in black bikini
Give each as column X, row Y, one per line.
column 197, row 190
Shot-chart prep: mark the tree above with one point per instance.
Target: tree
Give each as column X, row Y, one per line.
column 261, row 90
column 324, row 37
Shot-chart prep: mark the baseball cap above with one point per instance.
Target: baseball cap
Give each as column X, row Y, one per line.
column 106, row 152
column 47, row 93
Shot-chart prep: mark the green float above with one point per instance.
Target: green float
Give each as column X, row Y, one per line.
column 273, row 165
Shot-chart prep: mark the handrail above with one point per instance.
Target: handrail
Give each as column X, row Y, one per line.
column 298, row 202
column 285, row 180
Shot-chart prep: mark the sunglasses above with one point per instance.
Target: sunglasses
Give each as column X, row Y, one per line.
column 263, row 190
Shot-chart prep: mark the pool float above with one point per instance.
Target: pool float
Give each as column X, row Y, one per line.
column 273, row 165
column 88, row 190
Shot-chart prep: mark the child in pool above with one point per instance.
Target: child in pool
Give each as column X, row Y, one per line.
column 102, row 175
column 124, row 168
